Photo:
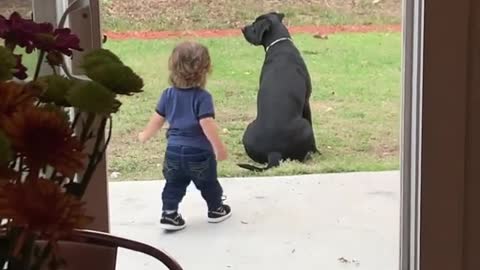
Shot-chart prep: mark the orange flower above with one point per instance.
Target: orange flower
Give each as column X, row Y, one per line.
column 7, row 174
column 41, row 207
column 13, row 98
column 6, row 155
column 43, row 136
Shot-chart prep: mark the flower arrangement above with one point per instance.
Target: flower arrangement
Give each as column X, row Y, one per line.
column 54, row 130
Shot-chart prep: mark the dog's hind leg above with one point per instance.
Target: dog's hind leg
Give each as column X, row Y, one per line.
column 308, row 157
column 307, row 113
column 311, row 136
column 274, row 159
column 315, row 149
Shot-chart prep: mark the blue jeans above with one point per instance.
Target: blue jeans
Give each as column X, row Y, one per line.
column 185, row 164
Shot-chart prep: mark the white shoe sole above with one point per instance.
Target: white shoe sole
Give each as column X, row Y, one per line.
column 169, row 227
column 220, row 219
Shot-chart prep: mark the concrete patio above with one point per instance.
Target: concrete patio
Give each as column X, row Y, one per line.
column 330, row 221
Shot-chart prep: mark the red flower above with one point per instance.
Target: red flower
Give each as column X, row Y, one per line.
column 3, row 25
column 18, row 31
column 31, row 35
column 61, row 40
column 20, row 70
column 65, row 41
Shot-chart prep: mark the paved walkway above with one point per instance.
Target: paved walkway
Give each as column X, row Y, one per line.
column 330, row 221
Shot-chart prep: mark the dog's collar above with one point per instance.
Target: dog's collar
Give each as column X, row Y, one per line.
column 277, row 41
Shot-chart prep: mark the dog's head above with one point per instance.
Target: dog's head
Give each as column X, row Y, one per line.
column 265, row 29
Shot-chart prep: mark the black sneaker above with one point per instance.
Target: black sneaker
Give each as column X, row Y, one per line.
column 220, row 214
column 172, row 222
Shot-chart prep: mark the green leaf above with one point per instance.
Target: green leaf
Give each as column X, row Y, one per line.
column 99, row 57
column 118, row 78
column 7, row 64
column 92, row 97
column 56, row 89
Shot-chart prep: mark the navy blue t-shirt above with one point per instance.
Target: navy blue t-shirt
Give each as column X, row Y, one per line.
column 183, row 109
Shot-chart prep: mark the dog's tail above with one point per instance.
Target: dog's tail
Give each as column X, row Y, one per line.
column 274, row 159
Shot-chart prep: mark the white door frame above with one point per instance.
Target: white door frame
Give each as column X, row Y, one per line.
column 410, row 170
column 85, row 23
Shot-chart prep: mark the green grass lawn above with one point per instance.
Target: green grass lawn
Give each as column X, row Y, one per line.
column 355, row 102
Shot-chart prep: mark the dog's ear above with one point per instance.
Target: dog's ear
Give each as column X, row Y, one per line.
column 261, row 26
column 281, row 16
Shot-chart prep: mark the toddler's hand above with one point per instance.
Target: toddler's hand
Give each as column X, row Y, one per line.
column 141, row 137
column 221, row 154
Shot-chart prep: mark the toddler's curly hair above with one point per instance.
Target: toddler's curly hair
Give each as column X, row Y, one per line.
column 189, row 65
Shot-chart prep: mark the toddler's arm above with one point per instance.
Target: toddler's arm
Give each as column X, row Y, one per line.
column 209, row 127
column 156, row 122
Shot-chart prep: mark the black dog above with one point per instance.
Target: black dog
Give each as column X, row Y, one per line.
column 283, row 127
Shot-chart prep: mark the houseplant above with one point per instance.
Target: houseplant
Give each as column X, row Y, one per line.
column 54, row 130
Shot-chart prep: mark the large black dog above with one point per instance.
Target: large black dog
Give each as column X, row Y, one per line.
column 283, row 127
